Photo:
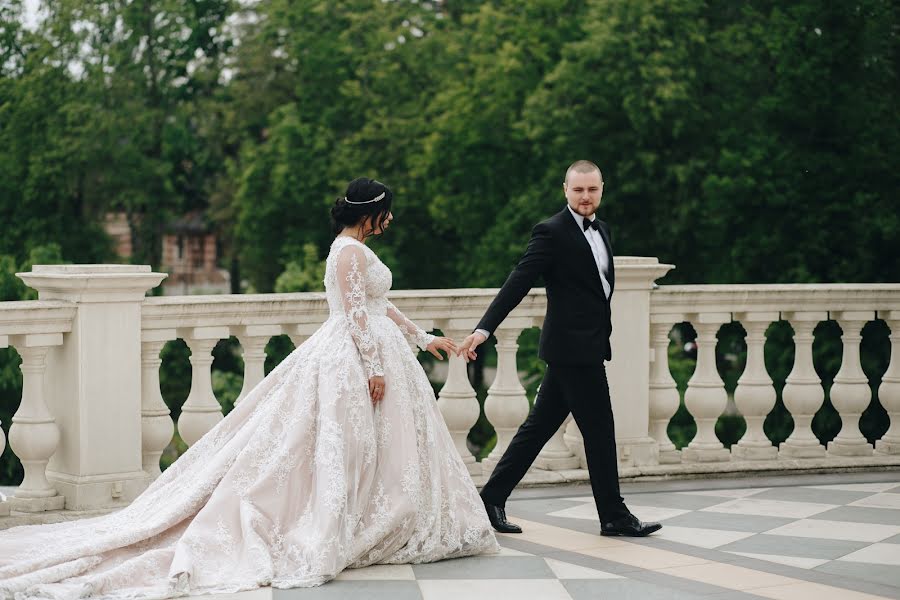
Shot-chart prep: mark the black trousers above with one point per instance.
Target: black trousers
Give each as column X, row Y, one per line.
column 583, row 391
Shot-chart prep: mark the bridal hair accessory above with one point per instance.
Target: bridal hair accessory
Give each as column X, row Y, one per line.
column 375, row 199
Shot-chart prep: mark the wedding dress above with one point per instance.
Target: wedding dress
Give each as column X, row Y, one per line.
column 302, row 479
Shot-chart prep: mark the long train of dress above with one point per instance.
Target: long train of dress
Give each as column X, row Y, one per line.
column 302, row 479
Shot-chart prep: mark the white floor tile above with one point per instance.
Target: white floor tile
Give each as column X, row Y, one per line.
column 644, row 513
column 702, row 538
column 837, row 530
column 740, row 493
column 856, row 487
column 655, row 513
column 791, row 561
column 879, row 554
column 565, row 570
column 454, row 589
column 879, row 501
column 770, row 508
column 378, row 572
column 579, row 499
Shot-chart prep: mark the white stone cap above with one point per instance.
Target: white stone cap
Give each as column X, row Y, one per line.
column 782, row 297
column 638, row 272
column 92, row 283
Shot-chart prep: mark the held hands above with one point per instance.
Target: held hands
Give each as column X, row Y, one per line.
column 441, row 343
column 467, row 348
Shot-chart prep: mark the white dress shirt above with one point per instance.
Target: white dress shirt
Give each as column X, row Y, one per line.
column 598, row 249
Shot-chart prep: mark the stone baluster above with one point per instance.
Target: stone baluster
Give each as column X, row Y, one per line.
column 705, row 397
column 300, row 333
column 201, row 410
column 253, row 339
column 4, row 504
column 575, row 441
column 664, row 397
column 34, row 434
column 755, row 397
column 506, row 405
column 850, row 393
column 556, row 455
column 457, row 400
column 889, row 390
column 803, row 394
column 156, row 423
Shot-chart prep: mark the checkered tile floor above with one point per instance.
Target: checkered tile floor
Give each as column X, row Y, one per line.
column 793, row 539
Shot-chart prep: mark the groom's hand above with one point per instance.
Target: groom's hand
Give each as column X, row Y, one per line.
column 467, row 348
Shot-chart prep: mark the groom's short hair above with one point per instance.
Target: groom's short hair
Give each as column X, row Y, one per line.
column 583, row 166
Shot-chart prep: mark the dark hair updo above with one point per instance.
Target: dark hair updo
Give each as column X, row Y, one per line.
column 345, row 213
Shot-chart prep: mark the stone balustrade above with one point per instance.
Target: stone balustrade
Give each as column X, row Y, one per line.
column 803, row 306
column 34, row 329
column 91, row 359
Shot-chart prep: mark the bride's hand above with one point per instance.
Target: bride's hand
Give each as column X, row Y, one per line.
column 376, row 389
column 441, row 343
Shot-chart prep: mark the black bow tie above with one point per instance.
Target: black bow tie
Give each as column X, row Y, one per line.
column 595, row 224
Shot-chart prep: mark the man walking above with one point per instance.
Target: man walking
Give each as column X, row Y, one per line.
column 571, row 251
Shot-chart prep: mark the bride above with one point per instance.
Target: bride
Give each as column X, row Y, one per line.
column 338, row 459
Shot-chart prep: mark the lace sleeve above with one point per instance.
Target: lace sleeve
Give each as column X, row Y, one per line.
column 351, row 281
column 410, row 329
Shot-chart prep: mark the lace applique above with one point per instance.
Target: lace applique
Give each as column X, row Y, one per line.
column 409, row 329
column 352, row 283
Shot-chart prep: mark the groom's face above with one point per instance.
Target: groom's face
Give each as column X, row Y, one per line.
column 583, row 192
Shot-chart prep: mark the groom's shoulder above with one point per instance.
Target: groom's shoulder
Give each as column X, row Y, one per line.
column 554, row 221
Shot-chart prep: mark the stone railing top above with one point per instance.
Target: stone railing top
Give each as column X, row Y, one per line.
column 35, row 317
column 882, row 298
column 430, row 308
column 92, row 283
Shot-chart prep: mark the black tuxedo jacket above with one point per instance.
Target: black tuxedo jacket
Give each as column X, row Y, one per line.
column 578, row 322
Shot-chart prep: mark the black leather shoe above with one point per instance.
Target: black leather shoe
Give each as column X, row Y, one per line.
column 497, row 517
column 629, row 526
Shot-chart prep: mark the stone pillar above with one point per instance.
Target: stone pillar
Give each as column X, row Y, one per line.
column 157, row 427
column 664, row 397
column 93, row 381
column 201, row 410
column 457, row 400
column 506, row 405
column 755, row 396
column 803, row 394
column 889, row 390
column 850, row 393
column 253, row 339
column 34, row 435
column 705, row 397
column 629, row 370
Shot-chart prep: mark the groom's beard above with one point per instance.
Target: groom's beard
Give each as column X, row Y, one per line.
column 586, row 211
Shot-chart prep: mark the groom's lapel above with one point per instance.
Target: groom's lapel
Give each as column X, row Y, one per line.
column 611, row 275
column 585, row 252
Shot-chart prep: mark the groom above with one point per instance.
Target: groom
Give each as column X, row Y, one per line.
column 571, row 251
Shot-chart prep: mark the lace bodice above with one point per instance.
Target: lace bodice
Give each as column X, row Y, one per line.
column 356, row 284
